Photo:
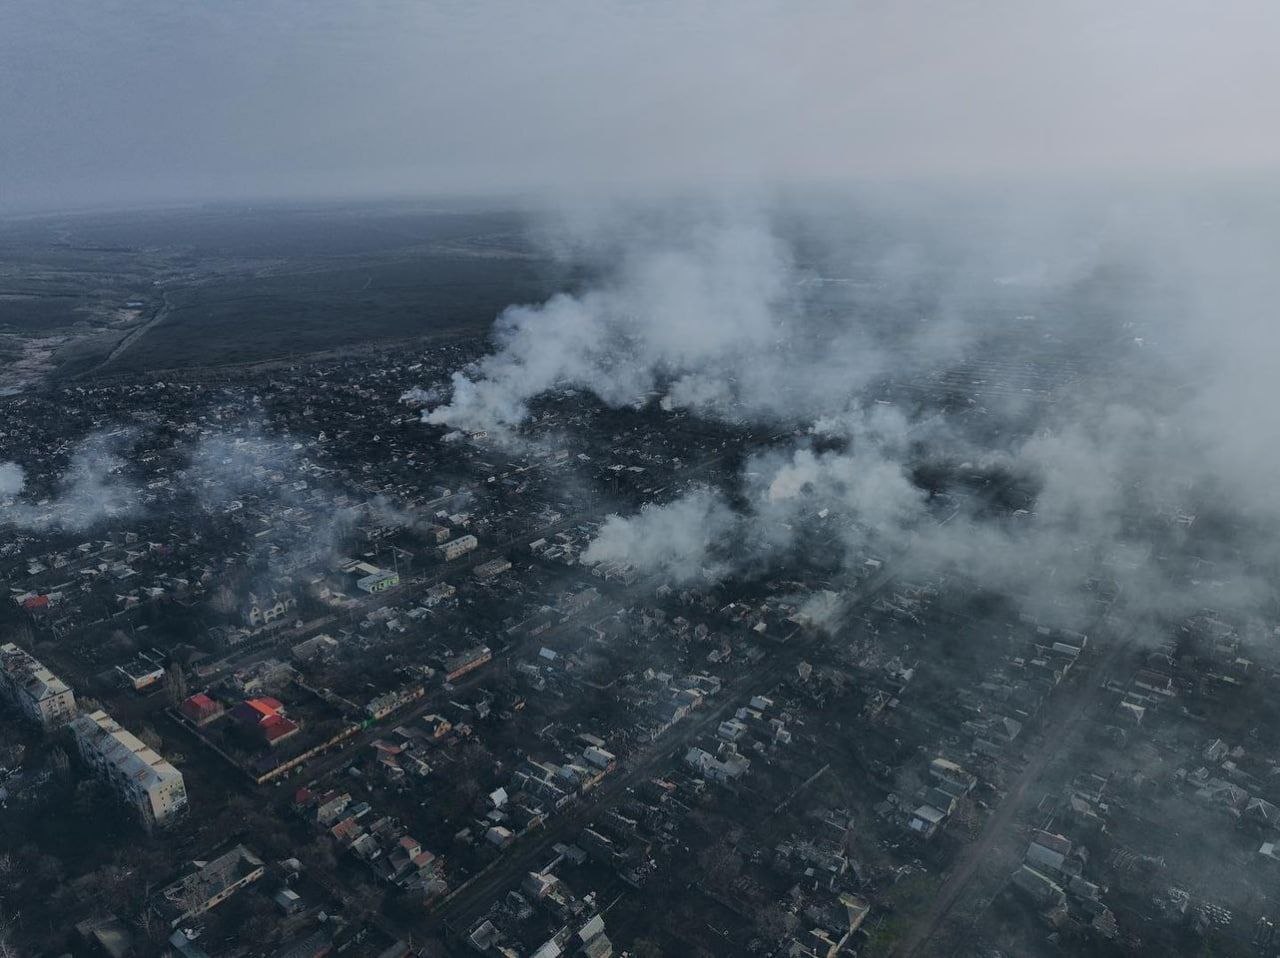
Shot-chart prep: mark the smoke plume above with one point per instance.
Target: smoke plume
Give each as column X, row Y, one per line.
column 1067, row 395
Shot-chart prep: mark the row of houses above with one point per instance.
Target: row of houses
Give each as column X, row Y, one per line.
column 381, row 842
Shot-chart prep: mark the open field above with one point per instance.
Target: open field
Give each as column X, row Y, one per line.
column 252, row 318
column 143, row 291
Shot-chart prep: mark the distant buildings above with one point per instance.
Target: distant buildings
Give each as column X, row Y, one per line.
column 384, row 705
column 379, row 580
column 262, row 612
column 458, row 547
column 459, row 665
column 494, row 567
column 319, row 647
column 438, row 593
column 141, row 778
column 371, row 579
column 1040, row 888
column 728, row 769
column 951, row 778
column 41, row 695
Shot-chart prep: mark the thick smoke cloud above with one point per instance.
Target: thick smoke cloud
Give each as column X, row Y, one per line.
column 688, row 314
column 681, row 540
column 1132, row 463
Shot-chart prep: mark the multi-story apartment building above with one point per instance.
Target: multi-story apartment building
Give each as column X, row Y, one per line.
column 458, row 547
column 138, row 775
column 41, row 695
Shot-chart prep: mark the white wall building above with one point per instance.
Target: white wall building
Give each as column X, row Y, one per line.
column 138, row 775
column 42, row 696
column 458, row 547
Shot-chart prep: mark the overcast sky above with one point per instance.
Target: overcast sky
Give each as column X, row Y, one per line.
column 125, row 101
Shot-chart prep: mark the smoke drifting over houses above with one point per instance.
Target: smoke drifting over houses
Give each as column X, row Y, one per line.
column 682, row 540
column 475, row 477
column 691, row 316
column 90, row 489
column 220, row 470
column 782, row 320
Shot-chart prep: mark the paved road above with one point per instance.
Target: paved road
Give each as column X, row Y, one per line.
column 1061, row 722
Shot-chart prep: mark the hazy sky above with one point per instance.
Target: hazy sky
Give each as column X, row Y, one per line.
column 121, row 101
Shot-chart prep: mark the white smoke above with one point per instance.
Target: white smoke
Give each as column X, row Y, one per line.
column 12, row 479
column 90, row 490
column 1114, row 455
column 225, row 466
column 822, row 610
column 417, row 396
column 695, row 315
column 680, row 540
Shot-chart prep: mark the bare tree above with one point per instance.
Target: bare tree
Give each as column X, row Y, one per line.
column 177, row 685
column 150, row 737
column 154, row 929
column 224, row 601
column 59, row 762
column 8, row 949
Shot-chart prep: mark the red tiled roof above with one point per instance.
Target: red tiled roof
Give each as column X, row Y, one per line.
column 345, row 830
column 265, row 706
column 276, row 726
column 198, row 706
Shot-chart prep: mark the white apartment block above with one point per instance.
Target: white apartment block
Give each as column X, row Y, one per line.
column 42, row 696
column 139, row 776
column 458, row 547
